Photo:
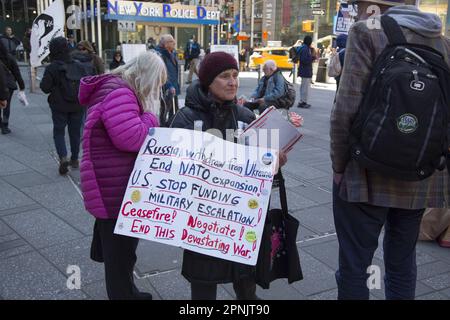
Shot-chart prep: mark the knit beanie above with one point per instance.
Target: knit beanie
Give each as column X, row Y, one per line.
column 214, row 64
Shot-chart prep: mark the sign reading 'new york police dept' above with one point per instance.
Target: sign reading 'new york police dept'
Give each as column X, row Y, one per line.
column 161, row 12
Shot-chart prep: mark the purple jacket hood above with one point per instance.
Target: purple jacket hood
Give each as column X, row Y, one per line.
column 94, row 89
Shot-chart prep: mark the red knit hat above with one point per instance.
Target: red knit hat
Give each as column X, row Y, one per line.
column 214, row 64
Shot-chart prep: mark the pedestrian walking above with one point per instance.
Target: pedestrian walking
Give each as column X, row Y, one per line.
column 192, row 56
column 122, row 105
column 12, row 78
column 63, row 101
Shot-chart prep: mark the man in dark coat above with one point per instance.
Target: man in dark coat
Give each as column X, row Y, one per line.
column 169, row 105
column 305, row 70
column 10, row 41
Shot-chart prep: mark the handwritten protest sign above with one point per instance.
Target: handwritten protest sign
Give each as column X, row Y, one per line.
column 194, row 190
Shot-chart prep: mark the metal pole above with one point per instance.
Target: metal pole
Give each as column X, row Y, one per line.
column 92, row 21
column 3, row 10
column 86, row 31
column 81, row 22
column 241, row 18
column 25, row 6
column 252, row 27
column 99, row 29
column 316, row 30
column 212, row 34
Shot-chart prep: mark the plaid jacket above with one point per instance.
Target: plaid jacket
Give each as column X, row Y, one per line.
column 359, row 185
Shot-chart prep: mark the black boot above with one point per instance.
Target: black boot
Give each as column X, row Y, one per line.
column 5, row 129
column 63, row 166
column 245, row 289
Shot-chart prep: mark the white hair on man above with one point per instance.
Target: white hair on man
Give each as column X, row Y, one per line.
column 270, row 65
column 165, row 38
column 145, row 74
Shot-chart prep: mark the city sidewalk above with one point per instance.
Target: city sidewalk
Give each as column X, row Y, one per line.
column 44, row 228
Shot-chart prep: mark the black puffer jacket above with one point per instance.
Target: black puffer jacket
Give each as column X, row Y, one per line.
column 198, row 106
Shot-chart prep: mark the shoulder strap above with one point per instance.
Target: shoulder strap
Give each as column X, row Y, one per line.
column 392, row 30
column 6, row 67
column 283, row 196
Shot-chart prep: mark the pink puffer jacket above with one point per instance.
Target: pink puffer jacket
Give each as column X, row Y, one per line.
column 114, row 131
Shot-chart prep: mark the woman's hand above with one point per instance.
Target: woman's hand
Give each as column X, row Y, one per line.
column 282, row 159
column 3, row 104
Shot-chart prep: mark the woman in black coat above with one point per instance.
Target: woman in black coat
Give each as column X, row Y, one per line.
column 117, row 61
column 211, row 100
column 12, row 77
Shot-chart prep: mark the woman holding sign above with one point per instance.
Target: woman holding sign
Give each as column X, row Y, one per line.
column 122, row 106
column 211, row 101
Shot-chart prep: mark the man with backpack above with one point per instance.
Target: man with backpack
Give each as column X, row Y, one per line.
column 337, row 60
column 272, row 90
column 61, row 81
column 388, row 136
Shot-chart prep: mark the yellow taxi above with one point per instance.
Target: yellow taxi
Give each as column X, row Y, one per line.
column 278, row 54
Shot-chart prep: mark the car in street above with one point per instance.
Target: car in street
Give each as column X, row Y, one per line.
column 278, row 54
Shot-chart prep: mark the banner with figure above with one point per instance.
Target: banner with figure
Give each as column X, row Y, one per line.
column 194, row 190
column 46, row 26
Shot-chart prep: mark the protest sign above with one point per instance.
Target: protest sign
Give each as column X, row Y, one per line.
column 194, row 190
column 344, row 19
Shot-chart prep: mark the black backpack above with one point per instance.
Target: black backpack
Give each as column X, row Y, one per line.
column 287, row 100
column 72, row 72
column 401, row 130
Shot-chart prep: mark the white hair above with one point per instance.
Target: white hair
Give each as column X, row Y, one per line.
column 164, row 38
column 145, row 74
column 271, row 65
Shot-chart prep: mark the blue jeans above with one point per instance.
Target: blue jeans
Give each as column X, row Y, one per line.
column 358, row 226
column 73, row 121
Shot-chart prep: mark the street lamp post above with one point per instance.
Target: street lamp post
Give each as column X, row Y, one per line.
column 252, row 27
column 241, row 18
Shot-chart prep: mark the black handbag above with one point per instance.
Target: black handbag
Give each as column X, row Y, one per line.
column 278, row 254
column 9, row 77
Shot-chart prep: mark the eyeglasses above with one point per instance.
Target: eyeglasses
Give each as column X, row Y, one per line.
column 82, row 49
